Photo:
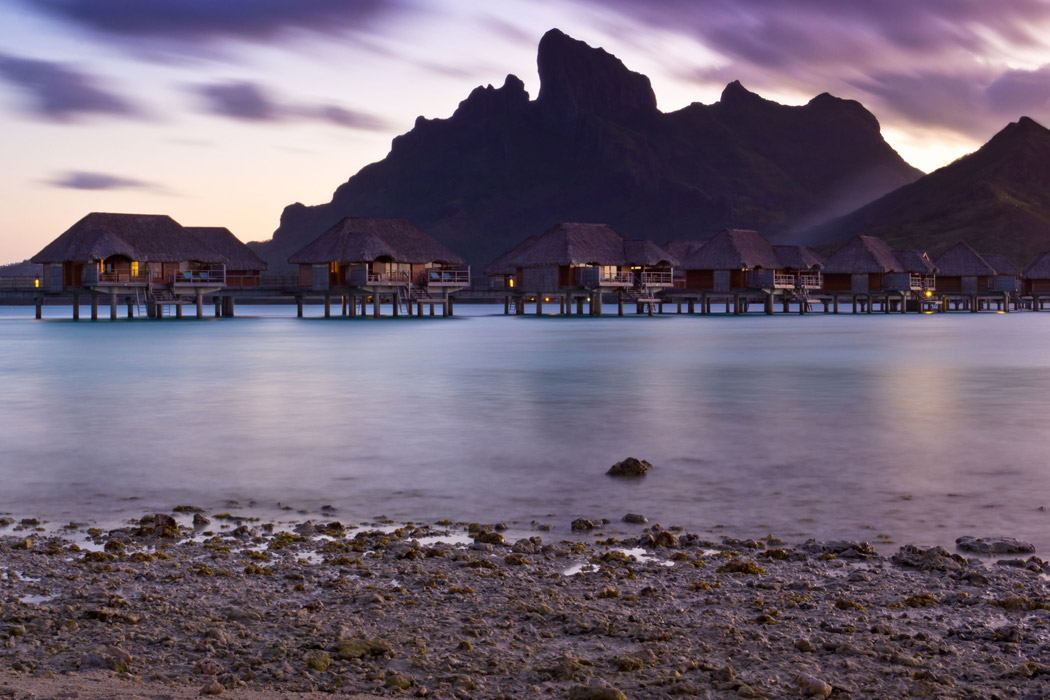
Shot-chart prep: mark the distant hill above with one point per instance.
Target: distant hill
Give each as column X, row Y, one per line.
column 20, row 269
column 997, row 199
column 594, row 147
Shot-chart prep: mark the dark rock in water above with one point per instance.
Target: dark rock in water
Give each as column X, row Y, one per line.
column 994, row 545
column 200, row 521
column 630, row 467
column 580, row 525
column 928, row 559
column 590, row 692
column 635, row 519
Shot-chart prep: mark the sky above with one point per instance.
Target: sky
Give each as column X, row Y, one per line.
column 222, row 112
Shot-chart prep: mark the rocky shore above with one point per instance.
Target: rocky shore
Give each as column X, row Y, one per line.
column 188, row 603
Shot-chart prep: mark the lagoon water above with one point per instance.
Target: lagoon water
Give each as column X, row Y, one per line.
column 897, row 428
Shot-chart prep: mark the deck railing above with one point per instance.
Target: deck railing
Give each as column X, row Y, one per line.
column 212, row 275
column 657, row 279
column 387, row 278
column 448, row 276
column 809, row 280
column 123, row 278
column 783, row 280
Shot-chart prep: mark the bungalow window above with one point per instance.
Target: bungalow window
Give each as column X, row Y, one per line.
column 333, row 267
column 134, row 268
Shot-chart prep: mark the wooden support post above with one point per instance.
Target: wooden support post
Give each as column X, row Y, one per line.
column 568, row 305
column 113, row 305
column 419, row 309
column 854, row 303
column 200, row 304
column 431, row 308
column 375, row 303
column 447, row 307
column 218, row 307
column 904, row 303
column 351, row 306
column 1006, row 302
column 76, row 306
column 579, row 306
column 298, row 306
column 395, row 302
column 178, row 310
column 598, row 300
column 785, row 304
column 679, row 306
column 869, row 307
column 886, row 304
column 131, row 308
column 639, row 308
column 539, row 304
column 619, row 303
column 519, row 306
column 769, row 303
column 835, row 302
column 692, row 306
column 973, row 304
column 39, row 301
column 661, row 307
column 327, row 304
column 94, row 306
column 506, row 306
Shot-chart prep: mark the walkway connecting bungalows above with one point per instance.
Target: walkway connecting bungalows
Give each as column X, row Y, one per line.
column 577, row 262
column 366, row 259
column 141, row 260
column 965, row 278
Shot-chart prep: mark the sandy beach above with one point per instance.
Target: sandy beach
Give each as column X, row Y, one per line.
column 237, row 607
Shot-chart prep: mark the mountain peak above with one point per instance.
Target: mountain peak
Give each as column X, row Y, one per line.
column 576, row 78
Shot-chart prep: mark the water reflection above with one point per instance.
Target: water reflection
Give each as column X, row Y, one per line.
column 923, row 428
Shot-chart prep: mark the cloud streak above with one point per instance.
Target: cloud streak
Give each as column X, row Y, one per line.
column 247, row 101
column 85, row 180
column 937, row 63
column 211, row 20
column 62, row 93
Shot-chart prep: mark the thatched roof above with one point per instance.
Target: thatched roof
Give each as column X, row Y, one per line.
column 580, row 244
column 647, row 253
column 798, row 257
column 1039, row 269
column 734, row 249
column 359, row 240
column 1001, row 263
column 863, row 255
column 963, row 261
column 143, row 237
column 235, row 255
column 683, row 249
column 915, row 262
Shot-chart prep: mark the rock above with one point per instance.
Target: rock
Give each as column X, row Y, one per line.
column 635, row 519
column 665, row 539
column 22, row 544
column 212, row 687
column 209, row 667
column 396, row 680
column 581, row 525
column 810, row 686
column 200, row 521
column 488, row 538
column 994, row 545
column 805, row 646
column 630, row 467
column 359, row 648
column 594, row 692
column 318, row 661
column 928, row 559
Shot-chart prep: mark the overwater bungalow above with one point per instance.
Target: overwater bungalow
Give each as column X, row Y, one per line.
column 1037, row 277
column 365, row 258
column 735, row 260
column 918, row 273
column 1007, row 275
column 242, row 267
column 802, row 263
column 860, row 266
column 574, row 261
column 963, row 270
column 143, row 259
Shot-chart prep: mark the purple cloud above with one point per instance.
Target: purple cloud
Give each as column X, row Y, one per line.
column 60, row 92
column 204, row 20
column 251, row 102
column 84, row 180
column 930, row 63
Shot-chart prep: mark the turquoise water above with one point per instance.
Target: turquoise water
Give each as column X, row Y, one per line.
column 917, row 428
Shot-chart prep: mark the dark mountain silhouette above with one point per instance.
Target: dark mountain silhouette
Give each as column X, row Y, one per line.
column 594, row 147
column 997, row 199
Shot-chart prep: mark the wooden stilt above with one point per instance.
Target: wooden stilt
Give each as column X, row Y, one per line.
column 94, row 306
column 76, row 306
column 298, row 306
column 539, row 304
column 448, row 305
column 113, row 306
column 770, row 303
column 375, row 303
column 692, row 307
column 619, row 304
column 506, row 306
column 131, row 308
column 327, row 304
column 200, row 304
column 178, row 310
column 39, row 302
column 218, row 307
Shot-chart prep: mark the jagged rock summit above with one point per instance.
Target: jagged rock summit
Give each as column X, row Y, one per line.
column 593, row 146
column 997, row 199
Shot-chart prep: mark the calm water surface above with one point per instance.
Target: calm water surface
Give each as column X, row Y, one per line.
column 915, row 428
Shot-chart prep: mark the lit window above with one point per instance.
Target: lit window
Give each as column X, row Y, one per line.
column 333, row 267
column 134, row 268
column 510, row 282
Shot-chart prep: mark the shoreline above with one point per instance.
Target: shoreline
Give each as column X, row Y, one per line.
column 461, row 610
